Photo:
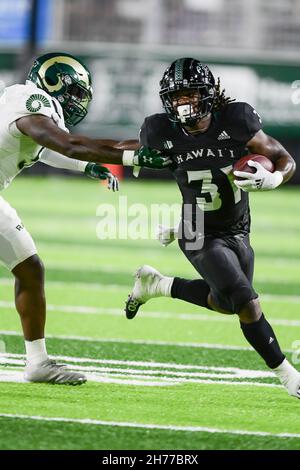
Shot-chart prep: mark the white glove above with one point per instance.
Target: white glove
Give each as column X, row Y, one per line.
column 166, row 235
column 262, row 179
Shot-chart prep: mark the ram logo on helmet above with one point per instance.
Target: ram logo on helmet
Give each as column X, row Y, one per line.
column 67, row 79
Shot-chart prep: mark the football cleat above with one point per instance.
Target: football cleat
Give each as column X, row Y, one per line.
column 293, row 387
column 146, row 286
column 50, row 372
column 289, row 377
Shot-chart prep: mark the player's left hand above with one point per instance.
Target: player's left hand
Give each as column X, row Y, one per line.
column 262, row 179
column 166, row 235
column 96, row 171
column 150, row 158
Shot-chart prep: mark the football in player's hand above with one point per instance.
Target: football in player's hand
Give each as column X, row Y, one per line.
column 242, row 164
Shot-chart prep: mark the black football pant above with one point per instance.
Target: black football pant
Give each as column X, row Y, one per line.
column 227, row 265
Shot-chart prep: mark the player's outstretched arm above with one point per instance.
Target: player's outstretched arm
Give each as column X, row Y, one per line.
column 93, row 170
column 262, row 179
column 129, row 153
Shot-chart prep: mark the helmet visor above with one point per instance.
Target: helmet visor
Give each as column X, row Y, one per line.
column 79, row 92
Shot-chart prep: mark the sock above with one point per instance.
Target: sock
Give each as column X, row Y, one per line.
column 289, row 377
column 164, row 286
column 36, row 351
column 262, row 338
column 194, row 292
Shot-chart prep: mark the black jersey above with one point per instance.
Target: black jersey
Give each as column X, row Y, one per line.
column 203, row 164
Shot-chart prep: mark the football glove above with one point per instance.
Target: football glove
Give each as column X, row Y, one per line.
column 262, row 179
column 146, row 157
column 96, row 171
column 166, row 235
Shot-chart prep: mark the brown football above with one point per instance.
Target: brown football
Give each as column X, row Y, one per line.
column 242, row 164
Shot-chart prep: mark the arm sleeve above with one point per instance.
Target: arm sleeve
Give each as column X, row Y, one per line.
column 57, row 160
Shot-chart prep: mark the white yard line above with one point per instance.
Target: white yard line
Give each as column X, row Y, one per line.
column 14, row 358
column 16, row 376
column 96, row 422
column 6, row 281
column 85, row 310
column 210, row 372
column 126, row 288
column 139, row 341
column 13, row 376
column 224, row 347
column 134, row 375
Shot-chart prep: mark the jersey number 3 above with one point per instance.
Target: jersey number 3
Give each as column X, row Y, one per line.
column 210, row 199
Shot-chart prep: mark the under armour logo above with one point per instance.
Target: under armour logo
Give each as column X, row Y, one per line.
column 271, row 340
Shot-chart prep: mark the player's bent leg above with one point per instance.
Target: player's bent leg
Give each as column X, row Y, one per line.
column 214, row 305
column 250, row 312
column 194, row 291
column 221, row 267
column 262, row 338
column 260, row 334
column 149, row 283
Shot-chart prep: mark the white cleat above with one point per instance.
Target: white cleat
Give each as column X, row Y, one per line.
column 289, row 377
column 293, row 386
column 50, row 372
column 146, row 286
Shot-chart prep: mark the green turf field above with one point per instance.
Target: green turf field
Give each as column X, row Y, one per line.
column 175, row 377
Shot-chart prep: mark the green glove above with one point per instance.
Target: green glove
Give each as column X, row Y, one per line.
column 96, row 171
column 150, row 158
column 145, row 157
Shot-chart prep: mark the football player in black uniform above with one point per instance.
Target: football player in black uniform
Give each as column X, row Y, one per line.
column 205, row 133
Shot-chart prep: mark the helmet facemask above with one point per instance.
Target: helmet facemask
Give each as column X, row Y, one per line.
column 193, row 109
column 74, row 100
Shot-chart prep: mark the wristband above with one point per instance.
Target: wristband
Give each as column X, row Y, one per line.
column 128, row 158
column 82, row 165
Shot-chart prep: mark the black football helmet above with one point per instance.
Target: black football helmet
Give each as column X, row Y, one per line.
column 188, row 73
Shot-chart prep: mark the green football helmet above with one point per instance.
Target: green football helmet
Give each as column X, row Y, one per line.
column 67, row 79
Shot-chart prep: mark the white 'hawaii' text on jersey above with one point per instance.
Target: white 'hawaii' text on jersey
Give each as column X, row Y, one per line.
column 16, row 149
